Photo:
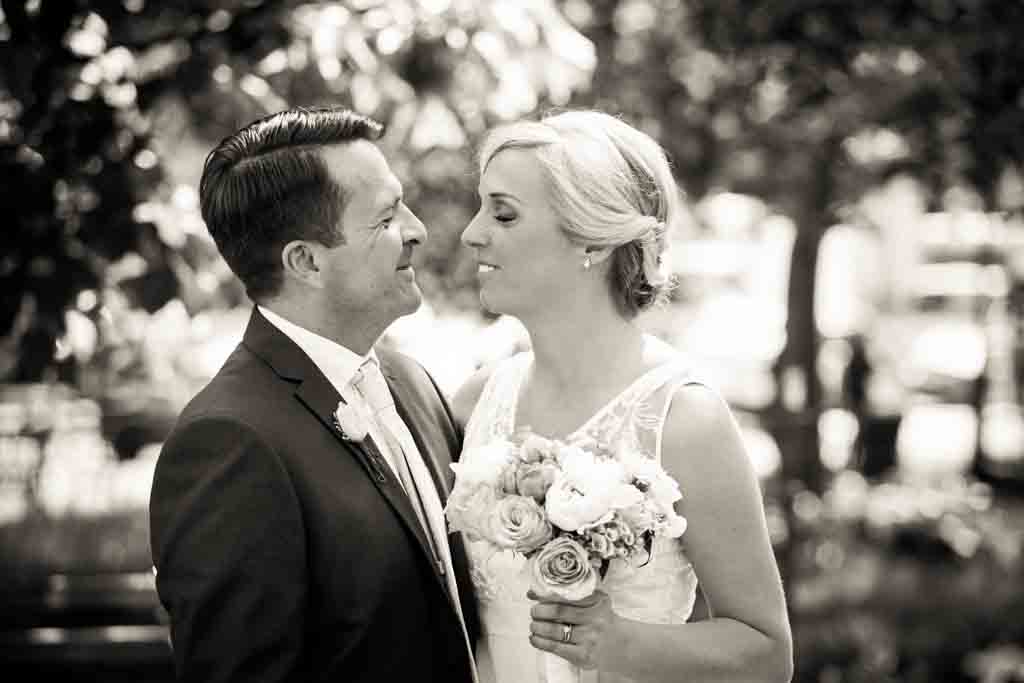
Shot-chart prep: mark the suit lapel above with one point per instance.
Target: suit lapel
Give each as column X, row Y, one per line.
column 419, row 426
column 319, row 396
column 404, row 403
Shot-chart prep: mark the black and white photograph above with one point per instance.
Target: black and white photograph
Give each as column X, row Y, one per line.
column 512, row 341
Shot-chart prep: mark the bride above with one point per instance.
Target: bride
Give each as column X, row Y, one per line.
column 571, row 238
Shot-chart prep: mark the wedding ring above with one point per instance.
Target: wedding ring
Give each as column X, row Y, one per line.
column 566, row 633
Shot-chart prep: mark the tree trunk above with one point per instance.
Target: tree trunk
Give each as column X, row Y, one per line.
column 798, row 404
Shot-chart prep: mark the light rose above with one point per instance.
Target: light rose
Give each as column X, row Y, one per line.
column 578, row 501
column 562, row 569
column 602, row 477
column 573, row 509
column 535, row 478
column 519, row 524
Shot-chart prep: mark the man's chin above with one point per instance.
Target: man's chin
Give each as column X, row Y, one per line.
column 412, row 301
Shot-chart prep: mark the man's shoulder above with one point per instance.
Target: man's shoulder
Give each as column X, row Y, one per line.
column 401, row 366
column 239, row 387
column 409, row 373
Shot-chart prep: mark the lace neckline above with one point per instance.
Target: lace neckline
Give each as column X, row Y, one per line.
column 633, row 387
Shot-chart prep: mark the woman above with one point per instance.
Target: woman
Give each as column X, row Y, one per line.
column 571, row 239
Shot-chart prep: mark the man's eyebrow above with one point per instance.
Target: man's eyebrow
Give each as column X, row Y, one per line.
column 502, row 195
column 389, row 208
column 383, row 211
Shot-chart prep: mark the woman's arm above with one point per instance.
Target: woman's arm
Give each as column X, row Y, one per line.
column 747, row 637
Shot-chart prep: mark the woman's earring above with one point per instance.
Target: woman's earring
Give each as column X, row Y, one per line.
column 587, row 263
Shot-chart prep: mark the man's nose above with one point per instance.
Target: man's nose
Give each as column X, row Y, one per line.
column 413, row 229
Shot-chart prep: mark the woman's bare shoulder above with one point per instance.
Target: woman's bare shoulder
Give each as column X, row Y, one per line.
column 701, row 437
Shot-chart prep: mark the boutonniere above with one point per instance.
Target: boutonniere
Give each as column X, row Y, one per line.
column 351, row 422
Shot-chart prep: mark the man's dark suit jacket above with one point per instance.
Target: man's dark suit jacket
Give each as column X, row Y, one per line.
column 284, row 552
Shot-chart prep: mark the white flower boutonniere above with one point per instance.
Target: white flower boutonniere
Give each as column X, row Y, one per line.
column 351, row 422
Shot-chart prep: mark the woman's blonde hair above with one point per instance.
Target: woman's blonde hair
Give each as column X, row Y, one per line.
column 612, row 186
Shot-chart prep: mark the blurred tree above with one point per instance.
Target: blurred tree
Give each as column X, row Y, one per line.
column 106, row 105
column 73, row 161
column 809, row 104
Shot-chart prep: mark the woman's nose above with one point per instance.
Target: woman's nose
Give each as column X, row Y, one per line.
column 473, row 235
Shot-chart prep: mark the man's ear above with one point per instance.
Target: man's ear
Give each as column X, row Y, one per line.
column 299, row 260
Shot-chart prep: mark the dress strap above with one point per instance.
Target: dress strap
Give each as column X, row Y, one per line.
column 635, row 415
column 685, row 375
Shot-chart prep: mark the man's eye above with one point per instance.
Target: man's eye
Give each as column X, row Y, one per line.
column 385, row 224
column 504, row 217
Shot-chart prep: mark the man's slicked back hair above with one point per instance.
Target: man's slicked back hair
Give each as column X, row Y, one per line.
column 268, row 184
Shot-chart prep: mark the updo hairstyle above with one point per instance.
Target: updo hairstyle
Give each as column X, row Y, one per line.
column 612, row 186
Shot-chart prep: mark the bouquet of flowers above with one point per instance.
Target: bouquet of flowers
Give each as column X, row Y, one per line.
column 571, row 508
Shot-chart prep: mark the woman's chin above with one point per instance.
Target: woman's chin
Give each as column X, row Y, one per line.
column 491, row 303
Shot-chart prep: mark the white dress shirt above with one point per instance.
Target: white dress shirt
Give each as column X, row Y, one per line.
column 339, row 366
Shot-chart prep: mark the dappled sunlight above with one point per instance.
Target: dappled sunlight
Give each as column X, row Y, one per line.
column 936, row 440
column 850, row 268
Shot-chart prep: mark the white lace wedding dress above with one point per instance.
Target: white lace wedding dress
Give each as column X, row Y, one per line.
column 661, row 591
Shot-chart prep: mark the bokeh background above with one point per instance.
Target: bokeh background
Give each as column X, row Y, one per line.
column 852, row 278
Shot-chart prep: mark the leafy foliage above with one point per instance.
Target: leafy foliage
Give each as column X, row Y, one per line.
column 105, row 105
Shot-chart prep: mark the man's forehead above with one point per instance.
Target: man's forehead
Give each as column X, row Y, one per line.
column 361, row 169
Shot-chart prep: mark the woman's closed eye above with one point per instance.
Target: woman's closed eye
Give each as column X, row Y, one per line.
column 503, row 213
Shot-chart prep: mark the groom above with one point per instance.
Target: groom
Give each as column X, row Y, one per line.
column 296, row 521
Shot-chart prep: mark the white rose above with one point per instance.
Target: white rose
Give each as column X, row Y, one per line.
column 571, row 508
column 665, row 492
column 352, row 421
column 592, row 472
column 574, row 459
column 577, row 506
column 672, row 526
column 588, row 490
column 483, row 465
column 468, row 510
column 662, row 489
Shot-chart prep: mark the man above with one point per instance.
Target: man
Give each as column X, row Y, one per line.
column 295, row 516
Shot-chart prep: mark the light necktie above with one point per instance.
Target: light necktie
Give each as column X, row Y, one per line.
column 369, row 382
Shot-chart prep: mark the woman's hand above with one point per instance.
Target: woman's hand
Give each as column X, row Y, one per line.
column 583, row 632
